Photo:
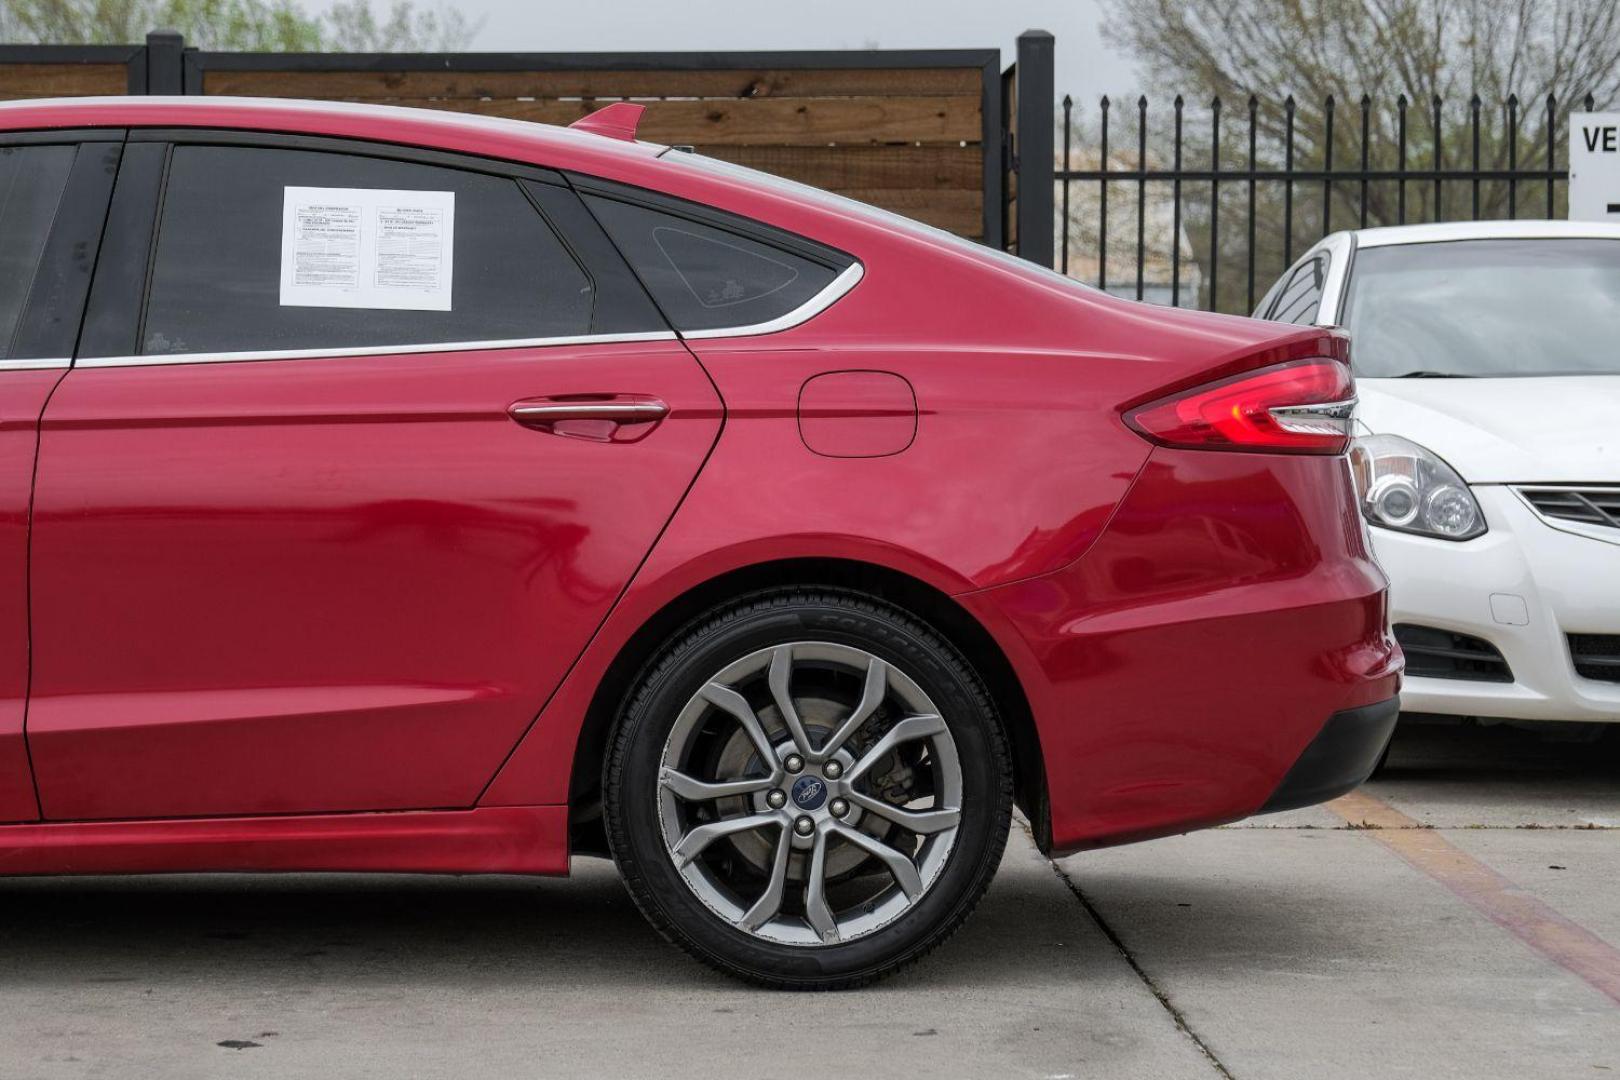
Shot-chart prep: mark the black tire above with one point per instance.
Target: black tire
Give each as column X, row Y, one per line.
column 744, row 627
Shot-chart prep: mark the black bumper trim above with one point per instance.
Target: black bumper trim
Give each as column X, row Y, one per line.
column 1343, row 754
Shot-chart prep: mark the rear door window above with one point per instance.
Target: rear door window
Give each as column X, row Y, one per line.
column 32, row 180
column 275, row 249
column 716, row 274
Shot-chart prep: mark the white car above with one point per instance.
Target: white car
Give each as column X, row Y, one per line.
column 1487, row 358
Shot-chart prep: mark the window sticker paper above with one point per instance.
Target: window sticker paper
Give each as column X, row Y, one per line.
column 367, row 248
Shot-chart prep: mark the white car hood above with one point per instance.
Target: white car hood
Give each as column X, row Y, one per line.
column 1563, row 430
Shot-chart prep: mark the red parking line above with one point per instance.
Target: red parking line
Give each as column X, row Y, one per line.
column 1567, row 944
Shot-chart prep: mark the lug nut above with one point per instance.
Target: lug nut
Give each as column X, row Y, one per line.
column 793, row 763
column 838, row 808
column 832, row 770
column 804, row 826
column 776, row 799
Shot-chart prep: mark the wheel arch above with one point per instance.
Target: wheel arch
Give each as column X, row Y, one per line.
column 917, row 597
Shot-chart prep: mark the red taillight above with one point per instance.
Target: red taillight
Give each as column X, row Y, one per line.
column 1302, row 407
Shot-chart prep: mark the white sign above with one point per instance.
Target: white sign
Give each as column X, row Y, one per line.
column 365, row 248
column 1594, row 167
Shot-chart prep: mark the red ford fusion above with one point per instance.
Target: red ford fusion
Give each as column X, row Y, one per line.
column 389, row 490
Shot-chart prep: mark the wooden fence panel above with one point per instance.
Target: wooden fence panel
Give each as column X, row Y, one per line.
column 902, row 131
column 921, row 133
column 35, row 71
column 62, row 80
column 726, row 82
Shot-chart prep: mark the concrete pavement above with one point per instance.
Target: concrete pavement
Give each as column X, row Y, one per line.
column 1292, row 946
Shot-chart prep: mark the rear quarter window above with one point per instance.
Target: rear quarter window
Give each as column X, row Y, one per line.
column 707, row 276
column 1300, row 298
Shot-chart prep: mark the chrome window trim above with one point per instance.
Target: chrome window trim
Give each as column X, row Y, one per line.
column 43, row 363
column 163, row 359
column 835, row 291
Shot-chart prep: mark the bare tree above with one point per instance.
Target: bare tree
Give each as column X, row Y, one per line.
column 253, row 25
column 1507, row 59
column 1423, row 48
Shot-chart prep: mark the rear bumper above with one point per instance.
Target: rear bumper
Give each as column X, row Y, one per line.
column 1181, row 668
column 1340, row 758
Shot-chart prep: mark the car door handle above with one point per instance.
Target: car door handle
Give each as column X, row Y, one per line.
column 616, row 418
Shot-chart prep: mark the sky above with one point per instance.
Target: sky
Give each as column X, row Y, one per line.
column 1086, row 66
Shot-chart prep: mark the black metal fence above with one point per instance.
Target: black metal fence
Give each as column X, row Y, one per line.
column 1209, row 215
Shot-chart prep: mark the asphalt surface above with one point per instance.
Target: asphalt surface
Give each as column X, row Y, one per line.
column 1458, row 918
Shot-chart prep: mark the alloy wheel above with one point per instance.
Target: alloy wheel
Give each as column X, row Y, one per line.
column 810, row 793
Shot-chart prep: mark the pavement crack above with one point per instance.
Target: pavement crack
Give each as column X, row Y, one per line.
column 1148, row 981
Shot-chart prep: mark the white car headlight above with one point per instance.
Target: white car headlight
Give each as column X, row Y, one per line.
column 1410, row 489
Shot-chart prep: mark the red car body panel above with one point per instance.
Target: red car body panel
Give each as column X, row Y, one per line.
column 498, row 840
column 20, row 406
column 272, row 588
column 1246, row 582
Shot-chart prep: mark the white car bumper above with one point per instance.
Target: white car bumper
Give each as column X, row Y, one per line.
column 1522, row 587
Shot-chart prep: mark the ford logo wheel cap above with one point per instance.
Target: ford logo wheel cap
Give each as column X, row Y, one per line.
column 809, row 792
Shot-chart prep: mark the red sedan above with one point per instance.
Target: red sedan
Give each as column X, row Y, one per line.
column 385, row 489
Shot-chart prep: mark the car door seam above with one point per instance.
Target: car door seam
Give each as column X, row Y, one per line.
column 630, row 581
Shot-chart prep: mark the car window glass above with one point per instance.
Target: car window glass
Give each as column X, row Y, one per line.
column 1301, row 298
column 1489, row 308
column 1269, row 300
column 709, row 278
column 620, row 304
column 218, row 281
column 32, row 179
